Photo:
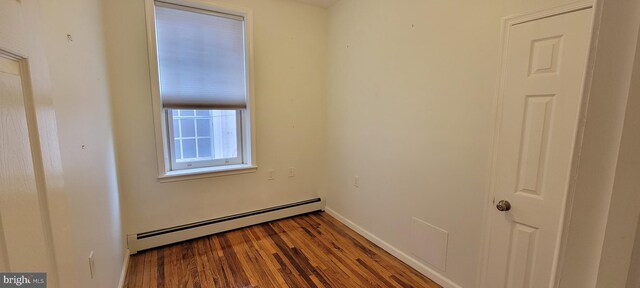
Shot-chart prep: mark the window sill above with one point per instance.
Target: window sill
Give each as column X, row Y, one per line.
column 198, row 173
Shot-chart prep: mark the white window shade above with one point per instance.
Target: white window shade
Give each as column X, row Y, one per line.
column 201, row 58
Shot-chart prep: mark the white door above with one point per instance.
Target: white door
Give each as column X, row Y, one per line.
column 25, row 235
column 545, row 63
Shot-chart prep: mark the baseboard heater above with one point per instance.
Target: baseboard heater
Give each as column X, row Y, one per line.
column 161, row 237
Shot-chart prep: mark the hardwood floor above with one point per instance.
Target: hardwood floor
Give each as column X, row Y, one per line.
column 312, row 250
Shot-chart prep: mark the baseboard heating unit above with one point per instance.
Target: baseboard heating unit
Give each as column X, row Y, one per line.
column 161, row 237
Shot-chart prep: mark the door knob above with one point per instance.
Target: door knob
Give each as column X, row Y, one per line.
column 503, row 205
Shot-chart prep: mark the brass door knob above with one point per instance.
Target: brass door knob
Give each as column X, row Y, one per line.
column 503, row 205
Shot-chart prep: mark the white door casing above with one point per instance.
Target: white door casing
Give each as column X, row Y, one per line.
column 542, row 79
column 30, row 165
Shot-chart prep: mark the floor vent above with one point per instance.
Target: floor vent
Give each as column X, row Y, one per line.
column 161, row 237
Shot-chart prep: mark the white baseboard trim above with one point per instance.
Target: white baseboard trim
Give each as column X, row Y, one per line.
column 125, row 266
column 136, row 243
column 414, row 263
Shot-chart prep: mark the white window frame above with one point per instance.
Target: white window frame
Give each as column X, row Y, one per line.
column 161, row 117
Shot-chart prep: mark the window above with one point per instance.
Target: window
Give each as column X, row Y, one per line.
column 201, row 90
column 204, row 138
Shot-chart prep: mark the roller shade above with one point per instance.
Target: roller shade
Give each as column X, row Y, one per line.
column 201, row 58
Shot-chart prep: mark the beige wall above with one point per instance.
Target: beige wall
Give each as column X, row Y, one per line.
column 595, row 228
column 624, row 210
column 633, row 280
column 81, row 102
column 290, row 71
column 410, row 112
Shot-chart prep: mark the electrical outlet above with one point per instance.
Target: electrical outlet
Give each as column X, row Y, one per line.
column 92, row 266
column 356, row 181
column 272, row 175
column 292, row 172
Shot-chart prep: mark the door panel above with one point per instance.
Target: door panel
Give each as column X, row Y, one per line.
column 541, row 95
column 523, row 240
column 535, row 136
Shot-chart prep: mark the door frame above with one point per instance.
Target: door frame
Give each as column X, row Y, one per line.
column 489, row 204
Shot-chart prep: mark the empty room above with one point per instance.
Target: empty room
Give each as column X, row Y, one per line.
column 320, row 143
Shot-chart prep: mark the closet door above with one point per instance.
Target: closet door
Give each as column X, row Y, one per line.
column 542, row 81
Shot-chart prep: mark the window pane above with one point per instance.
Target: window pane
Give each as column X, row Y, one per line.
column 188, row 128
column 176, row 128
column 186, row 112
column 224, row 134
column 174, row 112
column 204, row 148
column 189, row 148
column 204, row 127
column 205, row 135
column 177, row 148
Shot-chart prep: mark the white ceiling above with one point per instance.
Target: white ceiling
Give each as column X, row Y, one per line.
column 321, row 3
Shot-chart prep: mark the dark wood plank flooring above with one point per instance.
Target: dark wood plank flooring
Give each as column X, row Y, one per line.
column 312, row 250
